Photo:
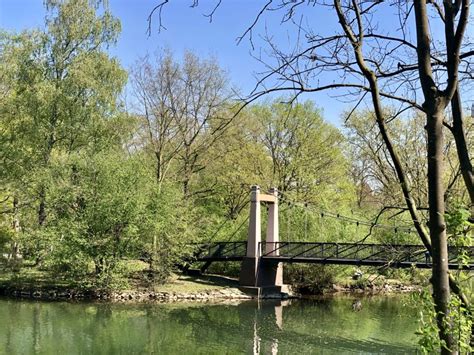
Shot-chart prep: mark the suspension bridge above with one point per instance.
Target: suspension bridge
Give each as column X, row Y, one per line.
column 262, row 261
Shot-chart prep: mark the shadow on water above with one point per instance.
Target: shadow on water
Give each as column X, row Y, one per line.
column 383, row 325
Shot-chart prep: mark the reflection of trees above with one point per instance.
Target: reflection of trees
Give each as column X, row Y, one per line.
column 333, row 325
column 262, row 327
column 36, row 346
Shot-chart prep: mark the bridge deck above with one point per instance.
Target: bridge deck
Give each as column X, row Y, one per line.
column 396, row 256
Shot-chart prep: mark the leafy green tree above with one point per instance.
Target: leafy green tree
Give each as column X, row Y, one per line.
column 59, row 96
column 97, row 215
column 237, row 160
column 307, row 154
column 62, row 87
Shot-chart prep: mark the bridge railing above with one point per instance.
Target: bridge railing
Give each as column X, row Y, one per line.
column 361, row 253
column 221, row 250
column 332, row 253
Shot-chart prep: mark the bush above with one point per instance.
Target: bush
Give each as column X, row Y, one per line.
column 310, row 279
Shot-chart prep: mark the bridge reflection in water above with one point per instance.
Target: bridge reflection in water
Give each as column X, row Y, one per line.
column 272, row 314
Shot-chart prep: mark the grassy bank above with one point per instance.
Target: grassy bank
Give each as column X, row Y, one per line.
column 134, row 278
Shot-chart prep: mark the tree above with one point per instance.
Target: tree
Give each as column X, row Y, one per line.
column 184, row 111
column 376, row 172
column 154, row 87
column 236, row 161
column 387, row 64
column 60, row 97
column 99, row 214
column 307, row 153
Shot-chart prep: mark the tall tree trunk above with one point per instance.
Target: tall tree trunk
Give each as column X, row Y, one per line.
column 16, row 219
column 42, row 206
column 186, row 175
column 42, row 190
column 159, row 167
column 152, row 261
column 15, row 247
column 437, row 224
column 428, row 86
column 186, row 187
column 435, row 103
column 41, row 218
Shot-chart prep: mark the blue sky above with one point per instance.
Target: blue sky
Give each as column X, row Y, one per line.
column 187, row 28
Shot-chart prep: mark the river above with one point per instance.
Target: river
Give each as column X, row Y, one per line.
column 383, row 325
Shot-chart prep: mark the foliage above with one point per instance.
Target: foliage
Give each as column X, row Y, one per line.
column 95, row 184
column 428, row 330
column 101, row 216
column 311, row 279
column 460, row 318
column 460, row 321
column 307, row 154
column 59, row 110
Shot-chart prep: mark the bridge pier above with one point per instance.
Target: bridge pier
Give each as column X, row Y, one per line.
column 255, row 271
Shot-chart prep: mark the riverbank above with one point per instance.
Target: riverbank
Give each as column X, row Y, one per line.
column 174, row 294
column 204, row 288
column 179, row 287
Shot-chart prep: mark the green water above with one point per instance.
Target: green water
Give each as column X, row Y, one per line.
column 384, row 325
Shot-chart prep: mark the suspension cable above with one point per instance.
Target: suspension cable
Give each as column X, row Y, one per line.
column 325, row 213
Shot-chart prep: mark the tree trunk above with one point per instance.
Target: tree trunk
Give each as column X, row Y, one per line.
column 429, row 89
column 100, row 266
column 159, row 163
column 42, row 206
column 153, row 257
column 439, row 250
column 15, row 247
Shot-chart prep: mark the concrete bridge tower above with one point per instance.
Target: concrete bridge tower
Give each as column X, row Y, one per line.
column 256, row 271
